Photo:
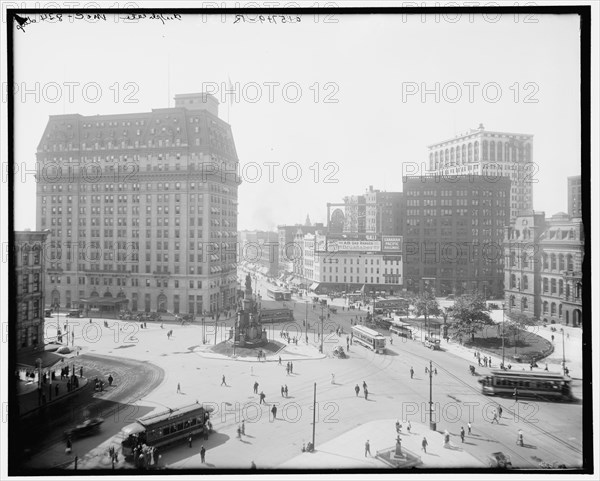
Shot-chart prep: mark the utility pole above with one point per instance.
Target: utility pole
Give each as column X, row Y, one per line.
column 431, row 423
column 314, row 415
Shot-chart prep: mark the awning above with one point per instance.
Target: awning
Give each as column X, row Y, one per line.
column 105, row 301
column 314, row 285
column 28, row 359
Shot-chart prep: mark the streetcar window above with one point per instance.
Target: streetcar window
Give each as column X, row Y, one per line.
column 180, row 427
column 166, row 431
column 194, row 421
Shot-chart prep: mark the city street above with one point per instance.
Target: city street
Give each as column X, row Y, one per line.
column 552, row 431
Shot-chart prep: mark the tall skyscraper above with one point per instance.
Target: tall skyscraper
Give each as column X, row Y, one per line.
column 141, row 208
column 574, row 196
column 488, row 153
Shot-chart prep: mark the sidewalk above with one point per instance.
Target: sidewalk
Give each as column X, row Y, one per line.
column 573, row 347
column 28, row 399
column 349, row 449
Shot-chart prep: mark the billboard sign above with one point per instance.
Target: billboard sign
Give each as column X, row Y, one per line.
column 392, row 243
column 355, row 245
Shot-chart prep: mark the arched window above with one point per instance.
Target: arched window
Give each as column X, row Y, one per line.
column 512, row 301
column 446, row 157
column 545, row 284
column 436, row 161
column 525, row 282
column 513, row 259
column 561, row 262
column 492, row 151
column 499, row 151
column 553, row 309
column 431, row 162
column 560, row 287
column 463, row 156
column 545, row 260
column 545, row 307
column 523, row 303
column 507, row 152
column 560, row 310
column 524, row 259
column 513, row 281
column 470, row 153
column 569, row 262
column 476, row 151
column 452, row 155
column 568, row 291
column 553, row 262
column 484, row 151
column 553, row 286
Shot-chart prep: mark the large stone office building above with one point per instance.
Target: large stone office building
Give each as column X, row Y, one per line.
column 141, row 209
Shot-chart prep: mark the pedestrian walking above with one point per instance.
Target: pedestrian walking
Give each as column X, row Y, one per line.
column 282, row 391
column 280, row 360
column 495, row 418
column 469, row 427
column 262, row 398
column 223, row 381
column 81, row 371
column 332, row 378
column 255, row 387
column 424, row 445
column 239, row 432
column 178, row 388
column 291, row 367
column 462, row 434
column 365, row 390
column 435, row 371
column 274, row 411
column 285, row 390
column 243, row 428
column 364, row 385
column 190, row 441
column 516, row 395
column 356, row 390
column 202, row 455
column 412, row 372
column 367, row 448
column 69, row 447
column 499, row 411
column 408, row 426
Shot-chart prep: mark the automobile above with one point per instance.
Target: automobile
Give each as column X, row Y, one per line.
column 338, row 351
column 499, row 460
column 432, row 343
column 333, row 310
column 86, row 428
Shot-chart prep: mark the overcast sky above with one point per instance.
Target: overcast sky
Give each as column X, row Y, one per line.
column 339, row 101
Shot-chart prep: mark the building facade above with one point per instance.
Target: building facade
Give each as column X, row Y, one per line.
column 574, row 196
column 543, row 268
column 522, row 266
column 141, row 209
column 291, row 245
column 453, row 238
column 29, row 281
column 336, row 263
column 488, row 153
column 259, row 249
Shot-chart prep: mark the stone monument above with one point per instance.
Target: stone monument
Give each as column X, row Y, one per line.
column 248, row 330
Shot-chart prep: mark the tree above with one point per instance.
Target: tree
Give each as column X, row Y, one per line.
column 470, row 314
column 425, row 304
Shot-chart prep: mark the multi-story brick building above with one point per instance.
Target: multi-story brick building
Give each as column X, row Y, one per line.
column 29, row 285
column 141, row 208
column 291, row 245
column 454, row 233
column 488, row 153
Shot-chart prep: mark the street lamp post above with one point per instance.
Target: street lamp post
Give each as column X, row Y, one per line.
column 431, row 423
column 322, row 319
column 314, row 415
column 503, row 307
column 563, row 349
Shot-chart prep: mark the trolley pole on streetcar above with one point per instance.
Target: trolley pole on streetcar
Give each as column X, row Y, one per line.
column 432, row 425
column 306, row 321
